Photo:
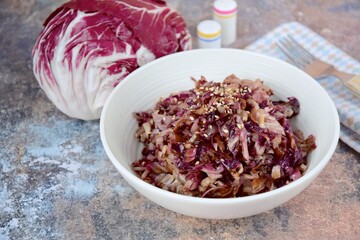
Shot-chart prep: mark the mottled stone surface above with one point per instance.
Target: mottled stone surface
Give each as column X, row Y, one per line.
column 56, row 181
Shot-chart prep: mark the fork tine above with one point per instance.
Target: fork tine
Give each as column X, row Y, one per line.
column 289, row 51
column 297, row 51
column 280, row 43
column 301, row 48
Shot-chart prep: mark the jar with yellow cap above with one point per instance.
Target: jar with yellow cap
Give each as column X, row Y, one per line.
column 209, row 34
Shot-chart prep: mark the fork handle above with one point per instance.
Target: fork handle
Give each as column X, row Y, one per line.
column 343, row 76
column 354, row 85
column 351, row 81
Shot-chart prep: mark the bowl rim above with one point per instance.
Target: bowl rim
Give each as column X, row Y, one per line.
column 217, row 201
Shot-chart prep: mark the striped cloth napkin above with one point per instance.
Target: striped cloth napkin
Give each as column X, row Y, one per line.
column 348, row 105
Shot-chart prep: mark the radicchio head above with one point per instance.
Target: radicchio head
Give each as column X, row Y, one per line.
column 88, row 46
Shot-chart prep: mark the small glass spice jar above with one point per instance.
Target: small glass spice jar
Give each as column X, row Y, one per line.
column 225, row 12
column 209, row 34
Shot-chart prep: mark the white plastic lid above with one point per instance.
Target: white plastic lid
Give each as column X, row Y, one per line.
column 225, row 6
column 208, row 29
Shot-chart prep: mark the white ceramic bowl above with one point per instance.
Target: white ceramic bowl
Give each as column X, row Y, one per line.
column 142, row 89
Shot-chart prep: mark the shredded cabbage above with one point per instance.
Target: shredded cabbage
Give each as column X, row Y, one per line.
column 220, row 140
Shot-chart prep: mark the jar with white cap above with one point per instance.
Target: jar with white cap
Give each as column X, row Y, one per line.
column 225, row 12
column 209, row 34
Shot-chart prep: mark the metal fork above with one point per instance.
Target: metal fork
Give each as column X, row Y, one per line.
column 314, row 66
